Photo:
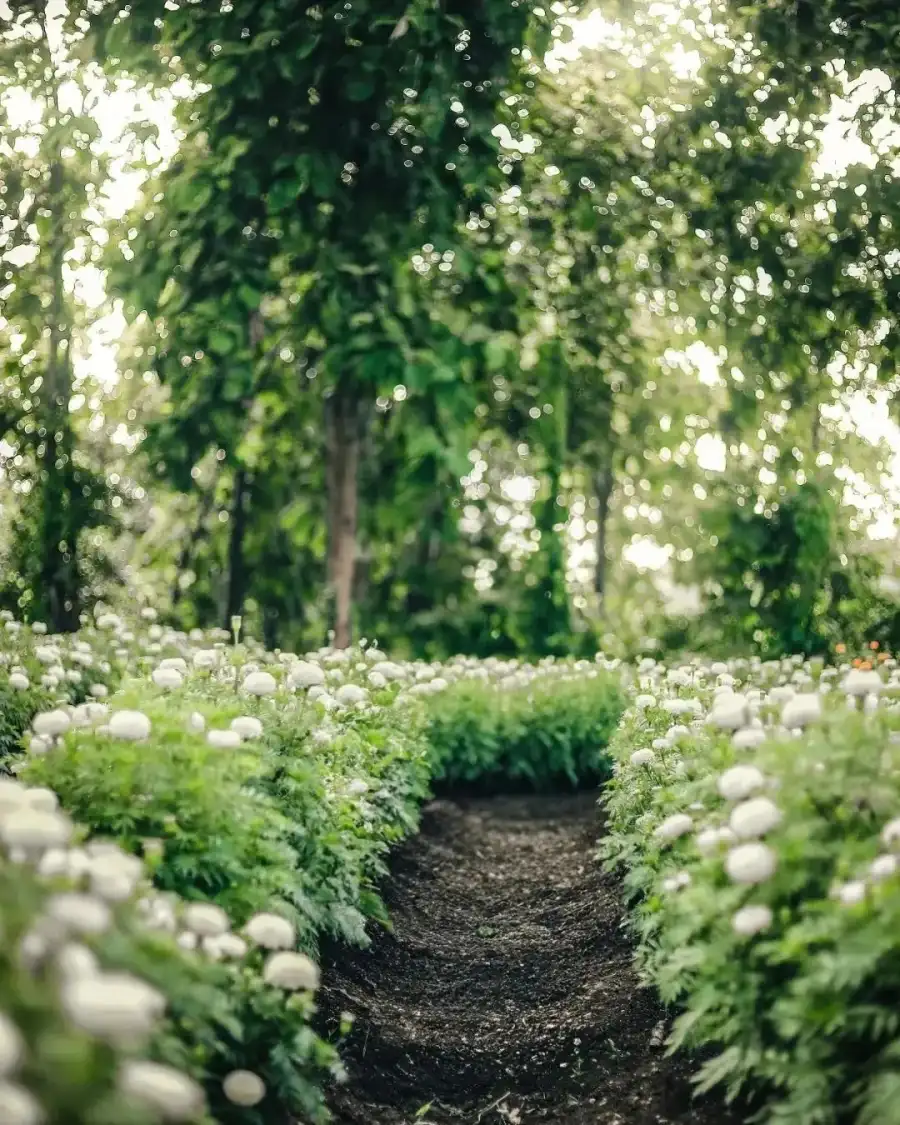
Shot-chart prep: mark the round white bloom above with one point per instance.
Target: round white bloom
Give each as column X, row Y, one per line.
column 890, row 834
column 305, row 674
column 51, row 723
column 113, row 1006
column 883, row 867
column 228, row 946
column 35, row 829
column 247, row 726
column 860, row 682
column 754, row 818
column 870, row 704
column 292, row 972
column 196, row 722
column 642, row 757
column 76, row 960
column 40, row 798
column 187, row 940
column 39, row 746
column 167, row 1091
column 643, row 701
column 12, row 1048
column 223, row 739
column 851, row 894
column 19, row 681
column 388, row 669
column 271, row 932
column 730, row 712
column 674, row 826
column 169, row 678
column 260, row 683
column 206, row 919
column 18, row 1106
column 80, row 913
column 99, row 691
column 801, row 710
column 205, row 658
column 177, row 662
column 747, row 738
column 739, row 782
column 132, row 726
column 750, row 920
column 708, row 841
column 349, row 694
column 750, row 863
column 109, row 621
column 244, row 1088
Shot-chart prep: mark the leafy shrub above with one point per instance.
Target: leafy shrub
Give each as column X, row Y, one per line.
column 549, row 730
column 795, row 974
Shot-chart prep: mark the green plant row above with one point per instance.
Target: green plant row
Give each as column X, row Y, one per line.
column 223, row 808
column 757, row 828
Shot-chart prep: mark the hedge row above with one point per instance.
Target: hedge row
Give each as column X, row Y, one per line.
column 755, row 816
column 224, row 810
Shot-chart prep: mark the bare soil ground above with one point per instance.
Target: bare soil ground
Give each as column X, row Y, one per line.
column 505, row 992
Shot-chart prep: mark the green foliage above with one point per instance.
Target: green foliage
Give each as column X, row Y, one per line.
column 804, row 1011
column 550, row 731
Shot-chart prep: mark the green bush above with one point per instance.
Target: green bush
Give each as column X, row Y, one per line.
column 795, row 977
column 546, row 731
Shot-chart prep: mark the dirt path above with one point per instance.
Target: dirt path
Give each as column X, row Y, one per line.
column 505, row 993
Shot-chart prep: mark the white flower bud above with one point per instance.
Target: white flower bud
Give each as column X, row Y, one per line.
column 739, row 782
column 244, row 1088
column 750, row 863
column 750, row 920
column 292, row 972
column 167, row 1091
column 132, row 726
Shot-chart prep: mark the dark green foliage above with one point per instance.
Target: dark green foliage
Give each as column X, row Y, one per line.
column 553, row 731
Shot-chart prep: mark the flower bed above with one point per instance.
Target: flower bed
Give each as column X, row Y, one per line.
column 754, row 816
column 223, row 810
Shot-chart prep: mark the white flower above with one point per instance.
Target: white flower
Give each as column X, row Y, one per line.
column 801, row 710
column 229, row 946
column 206, row 919
column 642, row 757
column 883, row 867
column 890, row 834
column 729, row 711
column 12, row 1049
column 674, row 826
column 172, row 1095
column 223, row 739
column 39, row 746
column 349, row 694
column 850, row 894
column 76, row 960
column 642, row 702
column 859, row 682
column 754, row 818
column 376, row 680
column 113, row 1006
column 292, row 972
column 80, row 913
column 750, row 863
column 176, row 662
column 247, row 726
column 18, row 1106
column 357, row 787
column 196, row 722
column 244, row 1088
column 387, row 668
column 750, row 920
column 40, row 798
column 35, row 829
column 205, row 658
column 19, row 681
column 99, row 691
column 51, row 723
column 168, row 678
column 260, row 683
column 747, row 738
column 870, row 704
column 739, row 782
column 305, row 674
column 271, row 932
column 132, row 726
column 708, row 841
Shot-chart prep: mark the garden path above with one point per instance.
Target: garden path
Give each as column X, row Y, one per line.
column 505, row 993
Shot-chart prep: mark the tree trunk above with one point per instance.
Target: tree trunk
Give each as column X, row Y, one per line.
column 59, row 531
column 343, row 419
column 603, row 487
column 237, row 574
